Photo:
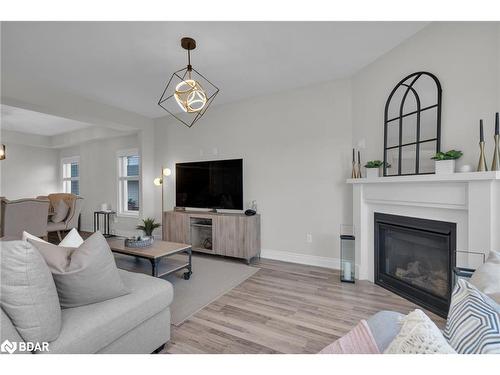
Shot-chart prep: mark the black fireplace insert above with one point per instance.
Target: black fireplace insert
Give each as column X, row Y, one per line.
column 414, row 258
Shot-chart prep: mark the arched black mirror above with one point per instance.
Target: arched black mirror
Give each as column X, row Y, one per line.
column 412, row 125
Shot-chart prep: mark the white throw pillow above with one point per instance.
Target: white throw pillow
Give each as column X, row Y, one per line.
column 419, row 335
column 60, row 212
column 72, row 239
column 487, row 277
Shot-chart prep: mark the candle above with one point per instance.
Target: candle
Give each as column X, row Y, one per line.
column 359, row 157
column 481, row 132
column 353, row 157
column 497, row 125
column 347, row 271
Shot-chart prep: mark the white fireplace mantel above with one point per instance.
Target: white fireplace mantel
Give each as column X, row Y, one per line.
column 471, row 200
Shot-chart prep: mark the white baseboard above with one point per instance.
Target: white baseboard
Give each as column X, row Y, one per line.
column 310, row 260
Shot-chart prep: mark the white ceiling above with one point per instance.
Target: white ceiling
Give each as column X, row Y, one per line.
column 127, row 64
column 24, row 121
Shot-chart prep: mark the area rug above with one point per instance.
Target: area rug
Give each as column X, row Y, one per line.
column 212, row 278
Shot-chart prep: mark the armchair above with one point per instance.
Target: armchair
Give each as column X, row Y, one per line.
column 75, row 204
column 28, row 214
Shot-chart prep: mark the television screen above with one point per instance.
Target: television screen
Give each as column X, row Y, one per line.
column 210, row 184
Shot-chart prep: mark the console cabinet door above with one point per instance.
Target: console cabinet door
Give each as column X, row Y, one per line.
column 227, row 236
column 176, row 227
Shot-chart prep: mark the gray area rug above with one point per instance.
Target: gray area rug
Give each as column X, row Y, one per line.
column 212, row 277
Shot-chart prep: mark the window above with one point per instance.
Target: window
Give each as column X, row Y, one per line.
column 128, row 182
column 71, row 175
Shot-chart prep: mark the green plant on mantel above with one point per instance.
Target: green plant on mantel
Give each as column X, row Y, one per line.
column 449, row 155
column 376, row 164
column 148, row 226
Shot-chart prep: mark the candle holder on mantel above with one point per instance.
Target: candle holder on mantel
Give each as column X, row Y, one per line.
column 354, row 174
column 495, row 165
column 358, row 174
column 347, row 254
column 481, row 167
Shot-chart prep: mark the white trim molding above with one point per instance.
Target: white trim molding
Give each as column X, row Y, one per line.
column 310, row 260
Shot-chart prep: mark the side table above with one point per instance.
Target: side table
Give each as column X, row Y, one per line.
column 105, row 219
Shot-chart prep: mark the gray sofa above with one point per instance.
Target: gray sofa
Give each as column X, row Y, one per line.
column 138, row 322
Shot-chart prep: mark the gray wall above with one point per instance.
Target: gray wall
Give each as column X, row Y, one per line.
column 29, row 171
column 99, row 176
column 296, row 150
column 465, row 58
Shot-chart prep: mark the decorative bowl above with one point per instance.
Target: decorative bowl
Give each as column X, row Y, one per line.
column 139, row 242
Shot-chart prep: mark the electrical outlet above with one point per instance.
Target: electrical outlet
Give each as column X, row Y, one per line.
column 309, row 237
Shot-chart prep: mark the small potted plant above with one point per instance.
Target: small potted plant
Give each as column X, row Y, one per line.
column 373, row 168
column 445, row 161
column 148, row 226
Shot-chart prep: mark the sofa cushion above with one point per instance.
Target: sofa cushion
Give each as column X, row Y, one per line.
column 88, row 329
column 487, row 277
column 61, row 210
column 9, row 332
column 85, row 275
column 473, row 324
column 28, row 294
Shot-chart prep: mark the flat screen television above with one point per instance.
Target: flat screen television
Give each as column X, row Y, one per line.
column 210, row 184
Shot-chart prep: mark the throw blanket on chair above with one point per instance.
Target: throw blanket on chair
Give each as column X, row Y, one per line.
column 357, row 341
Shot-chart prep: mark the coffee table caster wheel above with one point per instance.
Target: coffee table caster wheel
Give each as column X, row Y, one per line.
column 187, row 275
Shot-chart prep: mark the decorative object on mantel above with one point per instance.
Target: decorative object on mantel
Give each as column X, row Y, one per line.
column 354, row 174
column 412, row 125
column 495, row 165
column 148, row 226
column 481, row 167
column 465, row 168
column 188, row 93
column 359, row 175
column 347, row 254
column 445, row 161
column 373, row 168
column 2, row 152
column 159, row 181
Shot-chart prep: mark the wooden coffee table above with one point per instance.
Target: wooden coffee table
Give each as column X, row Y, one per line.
column 156, row 252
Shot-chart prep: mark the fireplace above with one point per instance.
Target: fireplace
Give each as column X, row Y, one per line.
column 414, row 258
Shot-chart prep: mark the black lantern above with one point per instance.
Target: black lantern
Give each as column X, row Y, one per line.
column 347, row 263
column 188, row 93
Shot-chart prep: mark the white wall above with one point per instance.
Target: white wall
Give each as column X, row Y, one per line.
column 28, row 171
column 296, row 151
column 465, row 58
column 99, row 176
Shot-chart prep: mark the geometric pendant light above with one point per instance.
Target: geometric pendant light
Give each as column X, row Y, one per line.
column 188, row 93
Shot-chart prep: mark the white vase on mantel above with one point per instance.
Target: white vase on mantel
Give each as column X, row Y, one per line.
column 372, row 173
column 445, row 166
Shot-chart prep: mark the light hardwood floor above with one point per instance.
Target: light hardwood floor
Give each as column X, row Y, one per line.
column 284, row 308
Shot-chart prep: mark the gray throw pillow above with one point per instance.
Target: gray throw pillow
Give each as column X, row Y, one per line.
column 60, row 212
column 28, row 294
column 85, row 275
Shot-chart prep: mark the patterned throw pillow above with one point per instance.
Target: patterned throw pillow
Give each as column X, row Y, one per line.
column 473, row 324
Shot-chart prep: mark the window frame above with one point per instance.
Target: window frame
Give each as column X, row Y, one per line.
column 65, row 161
column 122, row 204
